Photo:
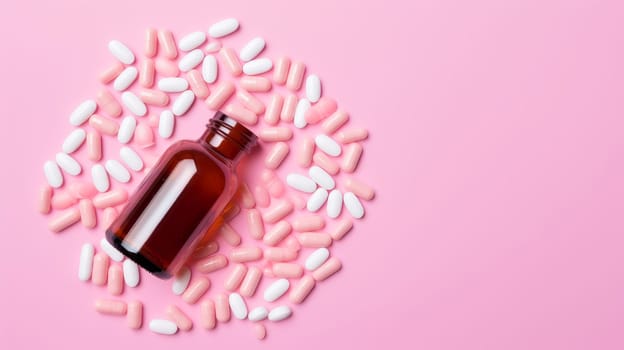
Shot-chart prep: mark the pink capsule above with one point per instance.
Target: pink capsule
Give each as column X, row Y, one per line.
column 166, row 67
column 104, row 125
column 134, row 318
column 197, row 83
column 360, row 189
column 230, row 59
column 276, row 155
column 272, row 114
column 151, row 44
column 94, row 146
column 325, row 162
column 245, row 254
column 178, row 317
column 255, row 84
column 100, row 269
column 295, row 76
column 315, row 240
column 335, row 121
column 63, row 200
column 146, row 73
column 352, row 135
column 222, row 306
column 277, row 233
column 207, row 317
column 221, row 93
column 166, row 41
column 82, row 189
column 110, row 73
column 256, row 226
column 302, row 289
column 240, row 113
column 292, row 243
column 280, row 254
column 229, row 235
column 87, row 213
column 153, row 120
column 245, row 196
column 276, row 188
column 274, row 134
column 250, row 282
column 206, row 250
column 143, row 135
column 64, row 220
column 304, row 158
column 287, row 270
column 44, row 199
column 288, row 108
column 110, row 199
column 211, row 263
column 259, row 331
column 154, row 97
column 351, row 158
column 321, row 110
column 108, row 103
column 230, row 213
column 280, row 72
column 308, row 222
column 268, row 272
column 262, row 196
column 233, row 281
column 196, row 290
column 115, row 280
column 110, row 307
column 250, row 102
column 212, row 46
column 108, row 216
column 298, row 201
column 341, row 229
column 278, row 212
column 330, row 267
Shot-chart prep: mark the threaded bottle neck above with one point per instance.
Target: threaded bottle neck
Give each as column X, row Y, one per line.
column 228, row 137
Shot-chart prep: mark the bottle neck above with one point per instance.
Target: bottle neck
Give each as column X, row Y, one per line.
column 227, row 138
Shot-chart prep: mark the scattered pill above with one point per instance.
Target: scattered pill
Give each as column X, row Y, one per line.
column 151, row 43
column 133, row 103
column 121, row 52
column 304, row 158
column 115, row 280
column 313, row 88
column 222, row 93
column 147, row 70
column 154, row 97
column 329, row 165
column 178, row 316
column 192, row 41
column 316, row 259
column 191, row 60
column 351, row 158
column 166, row 124
column 240, row 113
column 172, row 84
column 280, row 73
column 257, row 314
column 229, row 235
column 276, row 289
column 245, row 254
column 85, row 266
column 274, row 134
column 321, row 110
column 82, row 112
column 110, row 307
column 299, row 119
column 301, row 183
column 167, row 43
column 289, row 108
column 211, row 263
column 335, row 121
column 197, row 83
column 111, row 73
column 238, row 306
column 280, row 313
column 317, row 199
column 276, row 155
column 126, row 129
column 117, row 171
column 252, row 49
column 44, row 199
column 222, row 307
column 143, row 135
column 111, row 251
column 334, row 204
column 250, row 102
column 280, row 254
column 125, row 78
column 308, row 222
column 108, row 103
column 134, row 317
column 213, row 46
column 257, row 66
column 166, row 68
column 231, row 61
column 181, row 281
column 74, row 140
column 233, row 281
column 251, row 281
column 328, row 145
column 223, row 28
column 277, row 233
column 273, row 110
column 53, row 174
column 321, row 177
column 100, row 269
column 209, row 69
column 314, row 239
column 302, row 289
column 110, row 198
column 109, row 215
column 63, row 200
column 205, row 250
column 131, row 273
column 287, row 270
column 182, row 104
column 104, row 125
column 263, row 199
column 295, row 76
column 277, row 212
column 341, row 229
column 196, row 290
column 100, row 178
column 87, row 213
column 164, row 327
column 68, row 164
column 255, row 84
column 353, row 205
column 207, row 315
column 94, row 146
column 330, row 267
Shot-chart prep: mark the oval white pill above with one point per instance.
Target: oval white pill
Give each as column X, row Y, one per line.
column 258, row 66
column 134, row 103
column 213, row 46
column 258, row 314
column 209, row 69
column 82, row 112
column 191, row 60
column 334, row 204
column 131, row 273
column 301, row 183
column 117, row 171
column 328, row 145
column 316, row 259
column 126, row 129
column 302, row 107
column 313, row 88
column 131, row 158
column 182, row 104
column 321, row 177
column 121, row 52
column 125, row 78
column 353, row 205
column 165, row 327
column 276, row 289
column 280, row 313
column 166, row 124
column 100, row 178
column 252, row 49
column 192, row 41
column 85, row 267
column 53, row 174
column 111, row 251
column 223, row 28
column 172, row 84
column 181, row 281
column 317, row 199
column 74, row 140
column 238, row 306
column 68, row 164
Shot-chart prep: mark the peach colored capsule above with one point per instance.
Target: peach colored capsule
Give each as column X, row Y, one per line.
column 292, row 243
column 115, row 280
column 104, row 125
column 240, row 113
column 153, row 120
column 256, row 226
column 230, row 213
column 321, row 110
column 251, row 281
column 304, row 157
column 341, row 229
column 230, row 59
column 277, row 233
column 143, row 135
column 154, row 97
column 268, row 271
column 44, row 199
column 166, row 67
column 360, row 189
column 259, row 331
column 87, row 213
column 178, row 317
column 280, row 72
column 165, row 39
column 222, row 306
column 325, row 162
column 335, row 121
column 272, row 114
column 196, row 290
column 111, row 307
column 295, row 76
column 302, row 289
column 109, row 215
column 287, row 270
column 207, row 317
column 206, row 250
column 352, row 135
column 330, row 267
column 100, row 269
column 245, row 254
column 245, row 196
column 274, row 134
column 64, row 220
column 233, row 281
column 298, row 201
column 150, row 42
column 229, row 235
column 197, row 83
column 351, row 158
column 94, row 146
column 134, row 318
column 211, row 263
column 63, row 200
column 250, row 102
column 262, row 196
column 276, row 155
column 315, row 239
column 308, row 222
column 221, row 93
column 108, row 103
column 280, row 254
column 110, row 73
column 110, row 199
column 213, row 46
column 278, row 212
column 146, row 73
column 288, row 108
column 255, row 84
column 82, row 189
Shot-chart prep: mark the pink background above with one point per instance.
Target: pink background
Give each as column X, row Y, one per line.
column 496, row 150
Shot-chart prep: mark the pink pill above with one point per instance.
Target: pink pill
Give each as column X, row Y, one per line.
column 255, row 84
column 230, row 59
column 109, row 215
column 100, row 269
column 325, row 162
column 166, row 67
column 335, row 121
column 110, row 73
column 308, row 222
column 276, row 155
column 178, row 317
column 198, row 85
column 298, row 201
column 245, row 196
column 351, row 158
column 44, row 199
column 251, row 281
column 276, row 188
column 240, row 113
column 211, row 263
column 151, row 44
column 222, row 306
column 134, row 317
column 341, row 229
column 207, row 316
column 321, row 110
column 115, row 280
column 288, row 108
column 153, row 120
column 278, row 211
column 94, row 146
column 277, row 233
column 268, row 271
column 213, row 46
column 259, row 331
column 221, row 93
column 295, row 76
column 292, row 243
column 108, row 103
column 82, row 189
column 280, row 254
column 315, row 240
column 230, row 213
column 104, row 125
column 166, row 41
column 262, row 196
column 229, row 235
column 146, row 73
column 111, row 307
column 250, row 102
column 330, row 267
column 245, row 254
column 304, row 156
column 287, row 270
column 143, row 135
column 302, row 289
column 352, row 135
column 64, row 220
column 154, row 97
column 63, row 200
column 110, row 199
column 360, row 189
column 87, row 213
column 274, row 134
column 272, row 114
column 280, row 72
column 196, row 290
column 233, row 281
column 206, row 250
column 256, row 226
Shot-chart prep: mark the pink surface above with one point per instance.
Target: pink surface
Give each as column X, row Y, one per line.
column 496, row 149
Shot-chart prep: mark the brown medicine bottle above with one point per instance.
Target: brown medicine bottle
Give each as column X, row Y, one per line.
column 182, row 197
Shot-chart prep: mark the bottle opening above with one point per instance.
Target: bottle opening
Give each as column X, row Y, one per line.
column 228, row 137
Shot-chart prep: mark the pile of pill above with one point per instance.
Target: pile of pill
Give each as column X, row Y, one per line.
column 285, row 246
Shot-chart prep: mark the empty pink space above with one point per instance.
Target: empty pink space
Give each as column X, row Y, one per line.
column 496, row 150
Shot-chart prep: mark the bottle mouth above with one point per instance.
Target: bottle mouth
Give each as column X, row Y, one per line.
column 231, row 129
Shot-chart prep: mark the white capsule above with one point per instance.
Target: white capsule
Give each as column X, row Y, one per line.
column 165, row 327
column 223, row 28
column 301, row 183
column 252, row 49
column 111, row 251
column 238, row 306
column 85, row 267
column 258, row 314
column 131, row 273
column 100, row 178
column 328, row 145
column 280, row 313
column 191, row 60
column 192, row 41
column 354, row 207
column 53, row 174
column 317, row 199
column 316, row 259
column 313, row 88
column 74, row 140
column 121, row 52
column 302, row 107
column 117, row 171
column 182, row 104
column 212, row 47
column 133, row 103
column 82, row 112
column 126, row 129
column 258, row 66
column 125, row 78
column 131, row 158
column 181, row 281
column 334, row 204
column 165, row 124
column 276, row 289
column 321, row 177
column 68, row 164
column 209, row 69
column 172, row 84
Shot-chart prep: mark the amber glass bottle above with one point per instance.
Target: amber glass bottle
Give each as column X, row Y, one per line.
column 182, row 197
